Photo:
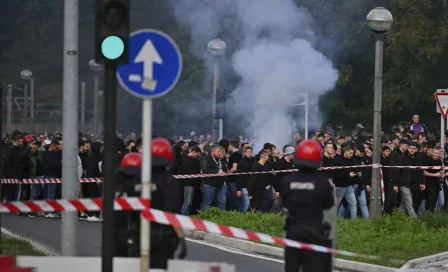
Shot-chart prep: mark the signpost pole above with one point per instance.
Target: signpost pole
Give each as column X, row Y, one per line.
column 155, row 64
column 442, row 133
column 145, row 226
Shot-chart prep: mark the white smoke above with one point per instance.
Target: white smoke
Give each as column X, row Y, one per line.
column 271, row 51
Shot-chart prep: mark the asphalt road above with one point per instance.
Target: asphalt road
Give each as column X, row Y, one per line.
column 47, row 232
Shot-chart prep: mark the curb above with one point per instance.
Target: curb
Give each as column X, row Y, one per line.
column 425, row 260
column 37, row 246
column 277, row 253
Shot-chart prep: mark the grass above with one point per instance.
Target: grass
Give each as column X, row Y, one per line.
column 390, row 237
column 14, row 246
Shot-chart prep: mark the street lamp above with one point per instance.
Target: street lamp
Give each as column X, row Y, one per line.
column 217, row 49
column 379, row 20
column 28, row 75
column 95, row 67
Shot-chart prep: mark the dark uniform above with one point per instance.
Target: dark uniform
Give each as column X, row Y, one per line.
column 164, row 196
column 306, row 194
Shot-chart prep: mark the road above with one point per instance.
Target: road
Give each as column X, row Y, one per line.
column 47, row 231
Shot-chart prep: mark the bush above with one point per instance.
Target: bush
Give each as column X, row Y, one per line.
column 392, row 237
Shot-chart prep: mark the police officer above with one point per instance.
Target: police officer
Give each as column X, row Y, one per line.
column 166, row 241
column 306, row 194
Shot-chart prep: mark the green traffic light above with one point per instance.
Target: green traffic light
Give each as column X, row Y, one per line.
column 112, row 47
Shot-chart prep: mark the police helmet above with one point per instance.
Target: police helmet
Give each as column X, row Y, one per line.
column 131, row 164
column 308, row 154
column 161, row 153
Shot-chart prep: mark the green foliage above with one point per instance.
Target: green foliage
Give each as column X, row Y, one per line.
column 13, row 246
column 396, row 237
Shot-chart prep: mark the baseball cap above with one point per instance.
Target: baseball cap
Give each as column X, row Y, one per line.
column 289, row 150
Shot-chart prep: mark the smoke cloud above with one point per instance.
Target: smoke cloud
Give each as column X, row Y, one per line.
column 271, row 50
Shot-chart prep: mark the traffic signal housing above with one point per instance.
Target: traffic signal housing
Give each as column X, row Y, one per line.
column 221, row 98
column 112, row 32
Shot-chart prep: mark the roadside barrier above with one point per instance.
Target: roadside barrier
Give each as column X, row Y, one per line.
column 166, row 218
column 98, row 180
column 73, row 205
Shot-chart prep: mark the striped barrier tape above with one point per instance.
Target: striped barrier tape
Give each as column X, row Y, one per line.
column 166, row 218
column 48, row 180
column 189, row 223
column 383, row 194
column 73, row 205
column 98, row 180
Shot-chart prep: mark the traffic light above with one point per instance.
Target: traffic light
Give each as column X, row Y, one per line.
column 112, row 32
column 221, row 98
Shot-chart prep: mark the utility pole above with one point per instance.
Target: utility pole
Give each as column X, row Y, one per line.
column 9, row 109
column 25, row 104
column 96, row 88
column 83, row 104
column 70, row 126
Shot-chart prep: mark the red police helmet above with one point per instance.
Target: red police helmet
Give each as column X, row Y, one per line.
column 131, row 164
column 309, row 154
column 131, row 160
column 28, row 139
column 161, row 152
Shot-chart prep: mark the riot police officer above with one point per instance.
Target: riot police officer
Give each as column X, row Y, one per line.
column 165, row 240
column 306, row 194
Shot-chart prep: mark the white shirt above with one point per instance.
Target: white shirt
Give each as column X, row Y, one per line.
column 79, row 168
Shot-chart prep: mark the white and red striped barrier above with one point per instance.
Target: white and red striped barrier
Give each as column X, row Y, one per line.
column 99, row 180
column 166, row 218
column 189, row 223
column 73, row 205
column 48, row 180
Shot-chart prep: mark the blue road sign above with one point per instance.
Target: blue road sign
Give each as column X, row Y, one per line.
column 155, row 64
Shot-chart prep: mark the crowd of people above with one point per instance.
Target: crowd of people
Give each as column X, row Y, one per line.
column 413, row 190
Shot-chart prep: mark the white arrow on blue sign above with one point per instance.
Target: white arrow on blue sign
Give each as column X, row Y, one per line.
column 155, row 64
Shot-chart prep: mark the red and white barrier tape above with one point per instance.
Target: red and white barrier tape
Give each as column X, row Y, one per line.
column 189, row 223
column 73, row 205
column 48, row 180
column 98, row 180
column 166, row 218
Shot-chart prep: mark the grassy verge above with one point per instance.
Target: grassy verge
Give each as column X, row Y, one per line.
column 390, row 237
column 14, row 246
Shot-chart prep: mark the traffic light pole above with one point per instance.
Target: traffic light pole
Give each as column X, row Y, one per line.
column 110, row 155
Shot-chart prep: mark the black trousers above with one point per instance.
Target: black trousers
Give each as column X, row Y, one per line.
column 433, row 195
column 307, row 260
column 391, row 201
column 260, row 200
column 417, row 196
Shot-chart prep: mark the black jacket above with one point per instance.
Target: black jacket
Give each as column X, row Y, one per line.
column 282, row 164
column 211, row 167
column 53, row 163
column 367, row 171
column 259, row 181
column 387, row 175
column 93, row 159
column 18, row 163
column 401, row 176
column 244, row 166
column 190, row 166
column 342, row 176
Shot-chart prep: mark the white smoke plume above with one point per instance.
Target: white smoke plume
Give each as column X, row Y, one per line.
column 271, row 50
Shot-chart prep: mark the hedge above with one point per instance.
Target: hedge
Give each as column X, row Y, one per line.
column 395, row 236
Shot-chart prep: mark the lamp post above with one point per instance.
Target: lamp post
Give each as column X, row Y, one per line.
column 379, row 20
column 217, row 48
column 95, row 67
column 28, row 75
column 305, row 104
